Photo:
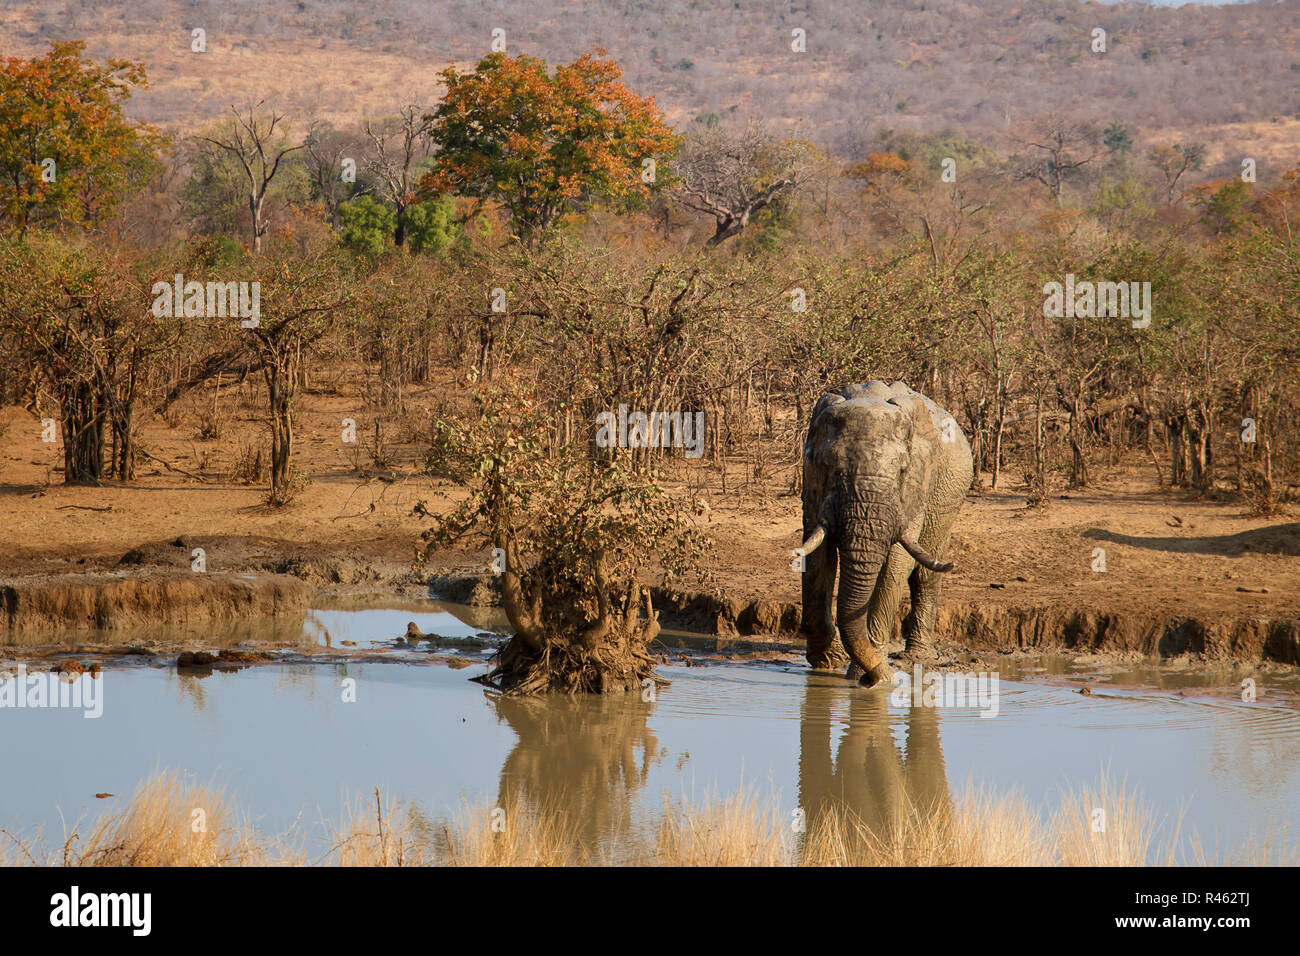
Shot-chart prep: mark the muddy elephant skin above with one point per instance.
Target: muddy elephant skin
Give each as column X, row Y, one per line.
column 885, row 472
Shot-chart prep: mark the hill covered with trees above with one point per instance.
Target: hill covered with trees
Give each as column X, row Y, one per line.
column 904, row 65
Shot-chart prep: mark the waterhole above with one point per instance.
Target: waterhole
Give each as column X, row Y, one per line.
column 285, row 743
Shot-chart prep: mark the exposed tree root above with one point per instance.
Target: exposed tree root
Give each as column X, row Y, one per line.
column 569, row 668
column 609, row 656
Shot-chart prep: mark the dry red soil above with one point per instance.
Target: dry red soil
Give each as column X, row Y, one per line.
column 1164, row 551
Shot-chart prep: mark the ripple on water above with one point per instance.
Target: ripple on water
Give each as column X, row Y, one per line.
column 1264, row 719
column 729, row 692
column 285, row 738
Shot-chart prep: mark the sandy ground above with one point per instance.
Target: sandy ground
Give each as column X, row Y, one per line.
column 1164, row 551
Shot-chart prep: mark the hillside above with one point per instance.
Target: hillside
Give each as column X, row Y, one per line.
column 1228, row 75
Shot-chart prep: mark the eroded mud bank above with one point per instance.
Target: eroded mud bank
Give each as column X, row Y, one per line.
column 995, row 627
column 119, row 600
column 172, row 596
column 982, row 626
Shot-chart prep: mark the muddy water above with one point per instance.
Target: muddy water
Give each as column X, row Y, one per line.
column 282, row 741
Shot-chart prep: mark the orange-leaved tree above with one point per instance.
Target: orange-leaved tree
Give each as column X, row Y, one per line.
column 67, row 153
column 542, row 143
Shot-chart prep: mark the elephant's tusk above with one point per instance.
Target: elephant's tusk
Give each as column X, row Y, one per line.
column 813, row 543
column 922, row 558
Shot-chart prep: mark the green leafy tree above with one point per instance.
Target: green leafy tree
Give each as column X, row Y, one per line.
column 1116, row 138
column 432, row 226
column 1225, row 204
column 1121, row 202
column 367, row 225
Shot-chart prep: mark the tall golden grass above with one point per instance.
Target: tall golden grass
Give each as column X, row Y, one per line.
column 170, row 822
column 167, row 822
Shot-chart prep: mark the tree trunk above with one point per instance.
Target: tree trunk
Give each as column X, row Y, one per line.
column 1200, row 425
column 255, row 211
column 1078, row 463
column 280, row 388
column 997, row 444
column 123, row 444
column 83, row 435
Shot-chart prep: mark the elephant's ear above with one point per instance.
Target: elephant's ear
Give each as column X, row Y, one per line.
column 923, row 450
column 817, row 431
column 919, row 413
column 826, row 401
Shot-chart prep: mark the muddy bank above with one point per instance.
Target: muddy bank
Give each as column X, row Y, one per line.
column 118, row 600
column 996, row 627
column 976, row 626
column 141, row 593
column 315, row 566
column 999, row 628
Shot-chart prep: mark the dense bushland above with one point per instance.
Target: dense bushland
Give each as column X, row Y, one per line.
column 1074, row 306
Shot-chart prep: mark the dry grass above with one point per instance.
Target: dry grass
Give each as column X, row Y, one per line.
column 167, row 822
column 981, row 829
column 159, row 827
column 738, row 831
column 1128, row 837
column 391, row 835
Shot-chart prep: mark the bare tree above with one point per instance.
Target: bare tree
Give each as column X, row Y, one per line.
column 1174, row 161
column 731, row 176
column 399, row 143
column 251, row 139
column 301, row 299
column 1061, row 147
column 327, row 150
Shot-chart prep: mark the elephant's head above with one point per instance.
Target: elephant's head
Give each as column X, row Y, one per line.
column 873, row 452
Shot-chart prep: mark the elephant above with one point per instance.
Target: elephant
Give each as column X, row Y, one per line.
column 885, row 471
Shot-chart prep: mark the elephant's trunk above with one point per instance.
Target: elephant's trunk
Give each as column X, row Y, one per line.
column 858, row 573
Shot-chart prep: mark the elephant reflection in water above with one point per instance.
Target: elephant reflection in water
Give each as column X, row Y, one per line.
column 582, row 758
column 585, row 759
column 869, row 777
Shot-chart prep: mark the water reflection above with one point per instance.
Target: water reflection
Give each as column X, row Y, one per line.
column 583, row 759
column 869, row 775
column 284, row 629
column 281, row 738
column 350, row 622
column 588, row 759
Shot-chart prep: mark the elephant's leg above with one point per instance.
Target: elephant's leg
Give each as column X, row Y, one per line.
column 825, row 651
column 818, row 794
column 924, row 773
column 882, row 611
column 918, row 626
